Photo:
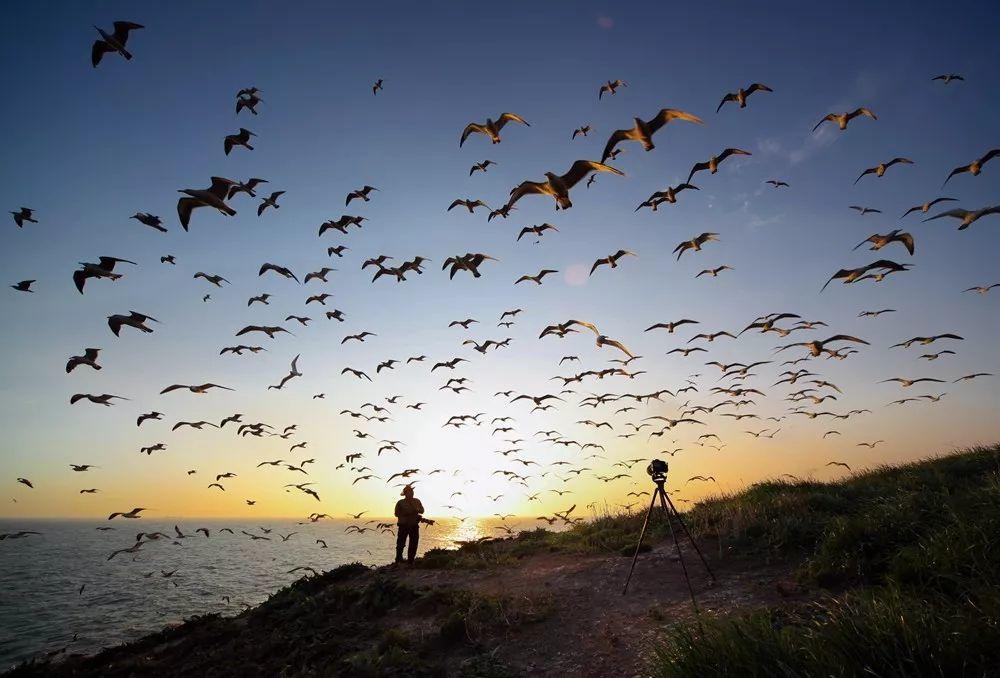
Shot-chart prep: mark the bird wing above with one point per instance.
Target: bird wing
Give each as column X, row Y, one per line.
column 97, row 52
column 108, row 263
column 616, row 137
column 469, row 129
column 508, row 117
column 828, row 116
column 728, row 97
column 989, row 156
column 732, row 151
column 667, row 114
column 907, row 240
column 589, row 326
column 861, row 111
column 870, row 170
column 121, row 30
column 581, row 168
column 698, row 166
column 184, row 208
column 526, row 188
column 844, row 337
column 957, row 170
column 870, row 238
column 957, row 213
column 79, row 279
column 220, row 187
column 620, row 346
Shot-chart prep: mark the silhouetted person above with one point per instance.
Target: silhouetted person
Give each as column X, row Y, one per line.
column 409, row 515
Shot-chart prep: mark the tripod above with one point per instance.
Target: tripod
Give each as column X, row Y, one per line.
column 670, row 512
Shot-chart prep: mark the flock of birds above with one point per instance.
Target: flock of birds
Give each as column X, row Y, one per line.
column 734, row 396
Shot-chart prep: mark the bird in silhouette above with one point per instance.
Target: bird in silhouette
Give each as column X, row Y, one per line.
column 643, row 130
column 669, row 196
column 490, row 128
column 740, row 95
column 280, row 270
column 611, row 86
column 24, row 215
column 249, row 101
column 199, row 389
column 134, row 513
column 360, row 194
column 611, row 260
column 133, row 319
column 480, row 166
column 694, row 244
column 967, row 217
column 558, row 186
column 241, row 138
column 216, row 280
column 880, row 241
column 537, row 279
column 89, row 358
column 974, row 167
column 843, row 118
column 712, row 164
column 249, row 187
column 538, row 230
column 468, row 204
column 269, row 201
column 213, row 196
column 816, row 347
column 150, row 220
column 927, row 205
column 104, row 269
column 880, row 168
column 113, row 42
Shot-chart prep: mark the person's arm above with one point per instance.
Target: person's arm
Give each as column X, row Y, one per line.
column 420, row 511
column 397, row 508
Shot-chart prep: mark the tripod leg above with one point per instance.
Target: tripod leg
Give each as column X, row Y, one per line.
column 645, row 523
column 670, row 523
column 691, row 539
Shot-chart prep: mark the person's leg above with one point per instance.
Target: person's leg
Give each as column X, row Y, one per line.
column 414, row 540
column 400, row 541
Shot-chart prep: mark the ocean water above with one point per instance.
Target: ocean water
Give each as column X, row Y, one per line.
column 42, row 609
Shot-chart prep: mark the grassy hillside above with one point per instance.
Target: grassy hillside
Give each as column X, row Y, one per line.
column 910, row 556
column 350, row 621
column 906, row 559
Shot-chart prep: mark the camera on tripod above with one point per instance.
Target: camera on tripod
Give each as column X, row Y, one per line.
column 657, row 470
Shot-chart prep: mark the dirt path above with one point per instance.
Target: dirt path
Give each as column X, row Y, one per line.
column 592, row 629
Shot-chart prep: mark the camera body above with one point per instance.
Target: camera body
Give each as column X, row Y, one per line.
column 657, row 470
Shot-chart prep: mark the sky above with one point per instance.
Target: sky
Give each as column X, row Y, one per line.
column 87, row 148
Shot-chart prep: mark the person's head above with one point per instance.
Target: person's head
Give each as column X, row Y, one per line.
column 408, row 492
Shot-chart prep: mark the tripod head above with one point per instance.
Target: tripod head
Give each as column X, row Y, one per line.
column 657, row 470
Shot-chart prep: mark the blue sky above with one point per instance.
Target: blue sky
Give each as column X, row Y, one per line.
column 88, row 148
